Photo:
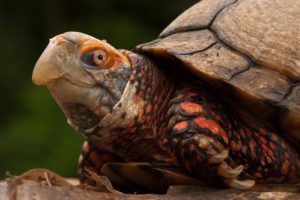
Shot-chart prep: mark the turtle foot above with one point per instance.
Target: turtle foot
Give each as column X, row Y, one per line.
column 208, row 159
column 240, row 184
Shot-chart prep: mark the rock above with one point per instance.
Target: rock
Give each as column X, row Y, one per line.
column 42, row 184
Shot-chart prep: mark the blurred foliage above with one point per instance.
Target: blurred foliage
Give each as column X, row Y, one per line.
column 33, row 131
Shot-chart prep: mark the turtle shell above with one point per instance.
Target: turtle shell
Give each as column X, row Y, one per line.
column 250, row 49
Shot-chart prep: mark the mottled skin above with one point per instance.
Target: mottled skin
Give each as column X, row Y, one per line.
column 158, row 115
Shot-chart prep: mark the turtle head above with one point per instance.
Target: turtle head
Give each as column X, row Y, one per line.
column 86, row 76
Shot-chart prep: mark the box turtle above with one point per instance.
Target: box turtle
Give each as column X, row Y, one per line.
column 215, row 98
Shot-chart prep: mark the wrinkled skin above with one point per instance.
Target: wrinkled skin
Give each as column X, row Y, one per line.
column 130, row 109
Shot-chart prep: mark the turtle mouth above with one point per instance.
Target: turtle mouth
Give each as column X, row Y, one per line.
column 58, row 62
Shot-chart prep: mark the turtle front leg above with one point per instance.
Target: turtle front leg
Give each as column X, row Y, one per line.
column 93, row 158
column 198, row 136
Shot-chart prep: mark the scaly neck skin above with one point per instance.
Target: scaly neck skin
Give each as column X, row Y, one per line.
column 130, row 130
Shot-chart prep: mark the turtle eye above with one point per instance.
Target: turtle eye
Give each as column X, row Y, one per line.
column 94, row 59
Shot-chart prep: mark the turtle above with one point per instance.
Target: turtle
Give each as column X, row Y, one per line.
column 216, row 97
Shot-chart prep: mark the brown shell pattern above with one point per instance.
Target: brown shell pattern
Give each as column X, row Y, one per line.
column 248, row 48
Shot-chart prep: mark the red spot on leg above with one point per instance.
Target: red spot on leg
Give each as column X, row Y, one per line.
column 180, row 126
column 269, row 160
column 270, row 152
column 141, row 95
column 95, row 160
column 285, row 167
column 136, row 100
column 224, row 136
column 272, row 145
column 191, row 108
column 263, row 140
column 209, row 124
column 258, row 175
column 192, row 94
column 286, row 154
column 262, row 131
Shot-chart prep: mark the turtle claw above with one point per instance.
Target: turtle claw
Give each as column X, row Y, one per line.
column 218, row 157
column 232, row 173
column 242, row 185
column 72, row 125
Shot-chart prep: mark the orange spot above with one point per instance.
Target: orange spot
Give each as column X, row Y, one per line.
column 136, row 100
column 262, row 131
column 233, row 145
column 191, row 107
column 165, row 141
column 272, row 145
column 207, row 123
column 286, row 154
column 148, row 119
column 180, row 125
column 269, row 160
column 192, row 94
column 224, row 136
column 258, row 175
column 263, row 140
column 264, row 147
column 141, row 94
column 285, row 167
column 271, row 154
column 95, row 160
column 131, row 123
column 266, row 170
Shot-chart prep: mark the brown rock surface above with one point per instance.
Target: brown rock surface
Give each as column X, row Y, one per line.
column 43, row 184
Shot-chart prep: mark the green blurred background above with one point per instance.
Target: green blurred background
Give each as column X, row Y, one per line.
column 33, row 131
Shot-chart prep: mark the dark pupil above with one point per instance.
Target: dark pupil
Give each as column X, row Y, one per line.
column 100, row 57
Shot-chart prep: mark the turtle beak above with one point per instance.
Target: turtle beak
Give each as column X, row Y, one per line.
column 48, row 67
